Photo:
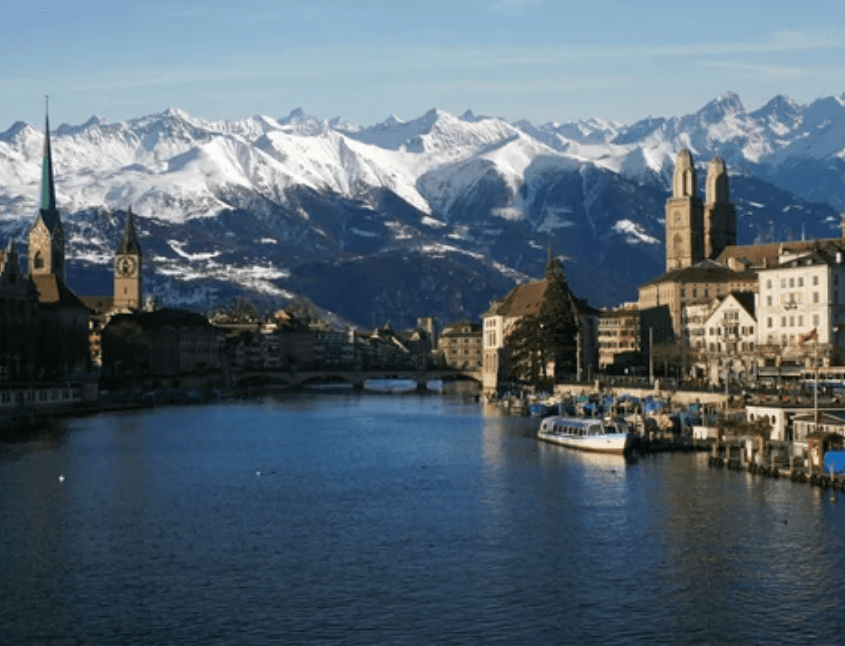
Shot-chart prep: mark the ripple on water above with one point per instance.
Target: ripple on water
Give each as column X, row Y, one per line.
column 397, row 520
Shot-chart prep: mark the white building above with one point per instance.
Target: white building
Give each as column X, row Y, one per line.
column 803, row 297
column 730, row 333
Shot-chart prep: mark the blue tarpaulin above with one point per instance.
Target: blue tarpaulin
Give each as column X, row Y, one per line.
column 651, row 405
column 834, row 461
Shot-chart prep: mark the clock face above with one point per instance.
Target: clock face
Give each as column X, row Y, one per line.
column 125, row 266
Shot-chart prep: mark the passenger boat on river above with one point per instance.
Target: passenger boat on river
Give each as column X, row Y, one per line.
column 587, row 434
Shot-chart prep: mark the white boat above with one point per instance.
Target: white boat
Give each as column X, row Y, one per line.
column 587, row 434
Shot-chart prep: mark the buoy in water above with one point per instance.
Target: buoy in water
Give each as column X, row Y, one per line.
column 61, row 478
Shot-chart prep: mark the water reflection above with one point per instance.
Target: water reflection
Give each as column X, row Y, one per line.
column 409, row 519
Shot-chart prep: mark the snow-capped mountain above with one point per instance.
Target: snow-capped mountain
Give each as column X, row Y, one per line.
column 432, row 216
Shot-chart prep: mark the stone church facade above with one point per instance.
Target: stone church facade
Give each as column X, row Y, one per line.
column 697, row 233
column 61, row 346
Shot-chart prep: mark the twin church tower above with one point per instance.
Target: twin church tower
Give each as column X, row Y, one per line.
column 696, row 231
column 46, row 253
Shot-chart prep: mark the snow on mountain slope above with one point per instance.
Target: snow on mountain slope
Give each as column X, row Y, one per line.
column 247, row 202
column 436, row 131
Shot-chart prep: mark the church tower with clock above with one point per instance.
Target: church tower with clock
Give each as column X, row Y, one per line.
column 127, row 269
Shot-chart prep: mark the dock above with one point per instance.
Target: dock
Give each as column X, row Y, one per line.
column 779, row 463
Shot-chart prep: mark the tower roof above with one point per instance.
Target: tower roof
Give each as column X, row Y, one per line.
column 129, row 245
column 47, row 209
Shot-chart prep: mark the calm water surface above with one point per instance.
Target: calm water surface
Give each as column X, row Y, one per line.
column 397, row 519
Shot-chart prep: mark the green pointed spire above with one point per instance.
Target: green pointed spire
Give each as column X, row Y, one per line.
column 48, row 189
column 129, row 245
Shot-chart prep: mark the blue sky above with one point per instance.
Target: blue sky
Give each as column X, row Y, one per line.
column 542, row 60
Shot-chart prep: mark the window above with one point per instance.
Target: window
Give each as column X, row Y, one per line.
column 800, row 321
column 769, row 283
column 783, row 283
column 815, row 280
column 815, row 319
column 800, row 281
column 815, row 297
column 783, row 321
column 769, row 321
column 769, row 301
column 792, row 282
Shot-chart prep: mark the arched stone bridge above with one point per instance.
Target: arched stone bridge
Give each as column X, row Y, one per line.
column 356, row 378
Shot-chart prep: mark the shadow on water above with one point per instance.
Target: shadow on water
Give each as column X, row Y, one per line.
column 362, row 519
column 42, row 436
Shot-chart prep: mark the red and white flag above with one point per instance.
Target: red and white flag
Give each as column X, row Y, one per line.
column 812, row 335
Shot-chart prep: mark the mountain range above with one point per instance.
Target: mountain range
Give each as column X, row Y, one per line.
column 434, row 216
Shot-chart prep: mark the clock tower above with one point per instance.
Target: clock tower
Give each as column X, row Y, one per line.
column 127, row 269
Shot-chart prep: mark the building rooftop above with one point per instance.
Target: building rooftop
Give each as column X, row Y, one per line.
column 53, row 292
column 526, row 300
column 763, row 256
column 705, row 271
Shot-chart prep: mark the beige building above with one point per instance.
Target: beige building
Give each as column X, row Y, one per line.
column 619, row 337
column 696, row 235
column 799, row 286
column 730, row 334
column 461, row 346
column 663, row 299
column 696, row 231
column 803, row 296
column 521, row 301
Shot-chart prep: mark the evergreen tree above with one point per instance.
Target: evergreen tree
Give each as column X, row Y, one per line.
column 549, row 335
column 558, row 319
column 525, row 351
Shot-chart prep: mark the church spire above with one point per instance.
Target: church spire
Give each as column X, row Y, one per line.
column 48, row 210
column 129, row 245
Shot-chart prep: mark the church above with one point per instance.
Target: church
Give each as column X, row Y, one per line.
column 46, row 329
column 61, row 346
column 697, row 235
column 792, row 290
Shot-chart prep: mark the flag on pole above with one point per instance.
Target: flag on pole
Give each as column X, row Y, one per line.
column 812, row 335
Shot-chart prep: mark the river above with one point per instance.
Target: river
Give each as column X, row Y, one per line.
column 350, row 518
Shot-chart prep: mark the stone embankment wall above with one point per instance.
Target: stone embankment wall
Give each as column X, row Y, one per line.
column 683, row 397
